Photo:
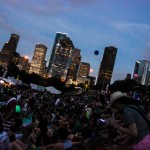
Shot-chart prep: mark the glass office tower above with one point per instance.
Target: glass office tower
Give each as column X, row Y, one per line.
column 141, row 71
column 61, row 56
column 8, row 50
column 106, row 66
column 75, row 64
column 38, row 60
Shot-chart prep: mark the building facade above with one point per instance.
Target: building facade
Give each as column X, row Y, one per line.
column 148, row 78
column 61, row 56
column 92, row 81
column 23, row 63
column 38, row 60
column 83, row 74
column 74, row 67
column 8, row 50
column 106, row 66
column 83, row 80
column 141, row 70
column 84, row 69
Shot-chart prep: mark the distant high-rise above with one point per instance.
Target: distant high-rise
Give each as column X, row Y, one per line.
column 141, row 70
column 38, row 60
column 92, row 81
column 74, row 67
column 8, row 50
column 23, row 63
column 61, row 56
column 128, row 76
column 84, row 69
column 106, row 66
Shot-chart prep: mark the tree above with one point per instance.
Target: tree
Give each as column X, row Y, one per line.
column 12, row 70
column 56, row 82
column 123, row 85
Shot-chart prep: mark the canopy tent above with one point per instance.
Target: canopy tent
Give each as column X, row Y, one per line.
column 52, row 90
column 6, row 81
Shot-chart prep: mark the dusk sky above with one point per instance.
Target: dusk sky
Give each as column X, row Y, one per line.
column 90, row 24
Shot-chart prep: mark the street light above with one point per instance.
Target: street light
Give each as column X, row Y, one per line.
column 26, row 57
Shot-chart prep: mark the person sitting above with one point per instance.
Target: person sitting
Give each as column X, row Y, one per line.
column 63, row 138
column 40, row 135
column 4, row 138
column 64, row 141
column 10, row 111
column 74, row 124
column 135, row 125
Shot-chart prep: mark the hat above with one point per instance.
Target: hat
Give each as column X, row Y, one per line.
column 115, row 96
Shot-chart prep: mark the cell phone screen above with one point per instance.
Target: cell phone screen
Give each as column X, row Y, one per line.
column 18, row 109
column 102, row 120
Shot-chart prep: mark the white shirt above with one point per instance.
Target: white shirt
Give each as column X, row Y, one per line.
column 57, row 101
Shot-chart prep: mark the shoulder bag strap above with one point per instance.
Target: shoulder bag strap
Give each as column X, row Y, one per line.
column 138, row 109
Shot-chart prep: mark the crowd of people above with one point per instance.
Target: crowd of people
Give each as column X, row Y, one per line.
column 36, row 120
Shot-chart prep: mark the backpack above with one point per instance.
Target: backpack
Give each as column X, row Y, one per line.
column 142, row 112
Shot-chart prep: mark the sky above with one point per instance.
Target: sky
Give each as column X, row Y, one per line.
column 90, row 24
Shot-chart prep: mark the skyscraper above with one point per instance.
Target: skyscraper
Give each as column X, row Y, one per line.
column 141, row 70
column 106, row 66
column 84, row 69
column 74, row 67
column 8, row 50
column 61, row 56
column 83, row 74
column 38, row 60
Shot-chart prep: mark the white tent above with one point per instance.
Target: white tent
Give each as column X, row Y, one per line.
column 52, row 90
column 8, row 81
column 37, row 87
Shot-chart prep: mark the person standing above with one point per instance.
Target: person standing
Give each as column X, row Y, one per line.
column 10, row 111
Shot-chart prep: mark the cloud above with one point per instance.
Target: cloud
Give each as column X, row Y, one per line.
column 146, row 53
column 43, row 7
column 10, row 2
column 1, row 20
column 140, row 32
column 6, row 26
column 46, row 7
column 80, row 2
column 129, row 26
column 64, row 25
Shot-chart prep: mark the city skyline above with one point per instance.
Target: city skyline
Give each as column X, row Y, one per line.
column 91, row 25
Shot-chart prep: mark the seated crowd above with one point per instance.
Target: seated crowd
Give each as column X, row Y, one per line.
column 33, row 120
